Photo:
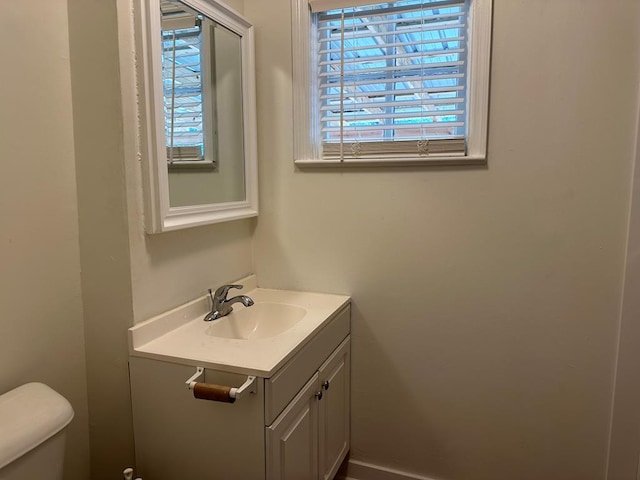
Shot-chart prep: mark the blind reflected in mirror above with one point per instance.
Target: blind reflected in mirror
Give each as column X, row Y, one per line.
column 202, row 93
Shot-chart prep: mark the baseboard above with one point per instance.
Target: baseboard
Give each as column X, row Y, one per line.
column 356, row 470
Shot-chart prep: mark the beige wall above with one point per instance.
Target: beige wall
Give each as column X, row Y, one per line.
column 41, row 330
column 171, row 268
column 485, row 299
column 127, row 276
column 625, row 434
column 104, row 242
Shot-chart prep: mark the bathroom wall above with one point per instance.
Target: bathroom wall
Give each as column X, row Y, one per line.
column 169, row 269
column 625, row 434
column 104, row 240
column 485, row 300
column 127, row 276
column 41, row 328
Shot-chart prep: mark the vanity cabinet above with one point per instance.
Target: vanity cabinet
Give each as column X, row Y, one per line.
column 294, row 426
column 292, row 440
column 311, row 437
column 335, row 411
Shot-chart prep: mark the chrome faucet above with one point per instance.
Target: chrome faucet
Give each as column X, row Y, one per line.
column 220, row 306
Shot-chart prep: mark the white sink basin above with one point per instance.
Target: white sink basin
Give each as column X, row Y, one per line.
column 255, row 340
column 262, row 320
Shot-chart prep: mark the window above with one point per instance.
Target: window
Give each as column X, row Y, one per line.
column 186, row 93
column 402, row 82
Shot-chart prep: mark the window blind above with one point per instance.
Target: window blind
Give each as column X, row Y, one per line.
column 181, row 75
column 392, row 77
column 326, row 5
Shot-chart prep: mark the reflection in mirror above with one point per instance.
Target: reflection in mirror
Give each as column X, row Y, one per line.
column 202, row 92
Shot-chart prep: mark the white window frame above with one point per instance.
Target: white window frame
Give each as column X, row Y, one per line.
column 307, row 141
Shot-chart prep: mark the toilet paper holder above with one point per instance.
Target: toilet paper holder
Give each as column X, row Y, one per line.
column 219, row 392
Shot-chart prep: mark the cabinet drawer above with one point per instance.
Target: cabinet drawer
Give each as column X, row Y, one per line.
column 283, row 386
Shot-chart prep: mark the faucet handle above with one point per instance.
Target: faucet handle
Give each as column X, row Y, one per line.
column 221, row 293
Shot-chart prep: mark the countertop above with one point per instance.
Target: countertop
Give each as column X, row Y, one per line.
column 180, row 335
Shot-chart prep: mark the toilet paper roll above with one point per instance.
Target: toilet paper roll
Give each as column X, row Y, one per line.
column 209, row 391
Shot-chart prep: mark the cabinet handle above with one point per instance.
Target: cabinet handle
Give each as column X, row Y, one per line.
column 326, row 384
column 319, row 395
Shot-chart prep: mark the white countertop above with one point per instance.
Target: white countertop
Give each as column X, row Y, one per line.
column 180, row 335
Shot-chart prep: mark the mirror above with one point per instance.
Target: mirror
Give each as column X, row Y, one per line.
column 199, row 135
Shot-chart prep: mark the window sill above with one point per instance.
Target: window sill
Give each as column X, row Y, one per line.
column 456, row 161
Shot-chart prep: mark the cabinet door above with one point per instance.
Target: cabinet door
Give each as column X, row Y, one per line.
column 334, row 415
column 292, row 439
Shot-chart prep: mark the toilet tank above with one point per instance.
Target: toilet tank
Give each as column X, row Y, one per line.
column 32, row 422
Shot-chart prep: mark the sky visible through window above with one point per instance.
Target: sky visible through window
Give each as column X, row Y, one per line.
column 404, row 71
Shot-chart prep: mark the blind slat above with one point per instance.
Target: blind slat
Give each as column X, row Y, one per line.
column 400, row 104
column 413, row 66
column 390, row 81
column 184, row 153
column 415, row 53
column 317, row 6
column 454, row 146
column 395, row 126
column 426, row 22
column 179, row 21
column 352, row 116
column 412, row 91
column 426, row 41
column 330, row 32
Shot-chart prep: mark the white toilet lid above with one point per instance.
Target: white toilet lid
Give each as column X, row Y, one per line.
column 29, row 415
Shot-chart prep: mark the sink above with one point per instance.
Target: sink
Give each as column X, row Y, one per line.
column 256, row 340
column 262, row 320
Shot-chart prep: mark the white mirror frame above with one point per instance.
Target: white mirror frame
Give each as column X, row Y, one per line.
column 159, row 215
